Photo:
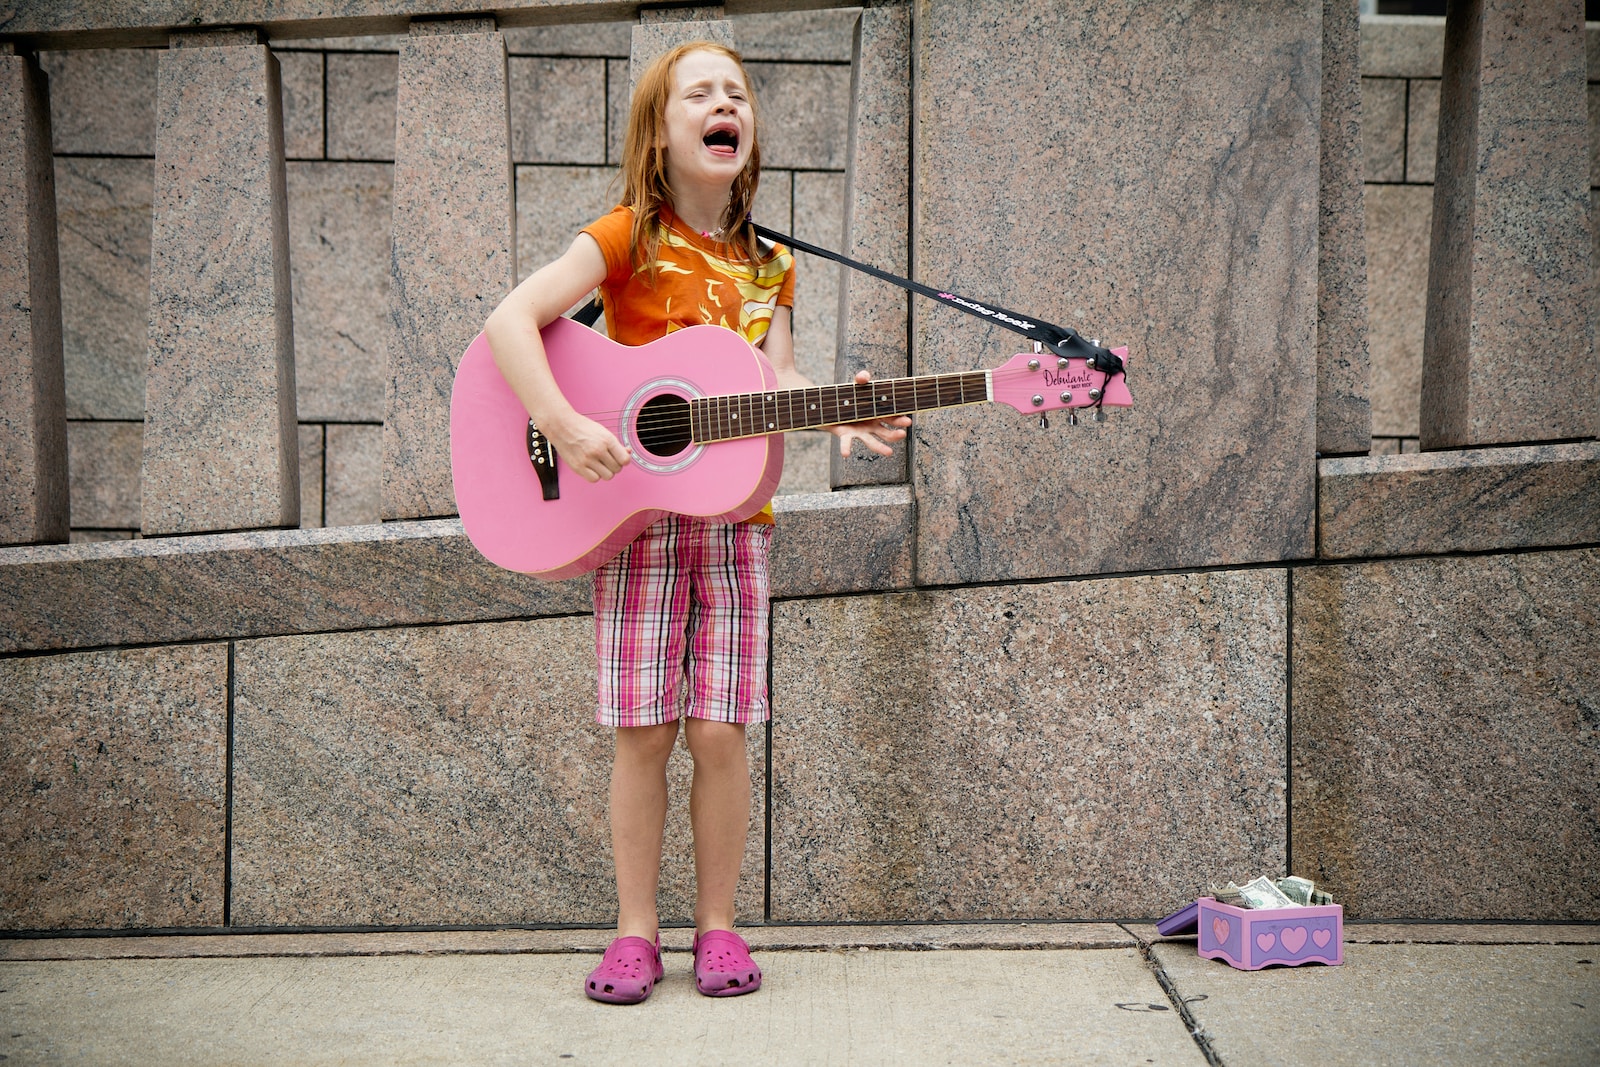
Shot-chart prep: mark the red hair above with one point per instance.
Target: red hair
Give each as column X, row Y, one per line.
column 644, row 159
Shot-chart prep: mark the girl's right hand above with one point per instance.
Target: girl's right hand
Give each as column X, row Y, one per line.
column 588, row 447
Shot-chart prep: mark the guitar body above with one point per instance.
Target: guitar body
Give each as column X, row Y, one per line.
column 502, row 501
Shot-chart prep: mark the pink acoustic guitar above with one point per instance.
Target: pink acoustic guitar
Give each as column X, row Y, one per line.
column 698, row 452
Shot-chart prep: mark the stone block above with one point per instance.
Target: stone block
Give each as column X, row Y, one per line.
column 220, row 430
column 312, row 448
column 653, row 15
column 797, row 36
column 1422, row 129
column 818, row 219
column 104, row 466
column 167, row 590
column 369, row 42
column 339, row 221
column 774, row 204
column 1443, row 736
column 805, row 111
column 103, row 212
column 877, row 210
column 361, row 105
column 553, row 204
column 1474, row 501
column 558, row 110
column 354, row 492
column 805, row 463
column 663, row 30
column 1402, row 46
column 619, row 91
column 456, row 776
column 1594, row 135
column 852, row 541
column 1344, row 406
column 594, row 39
column 103, row 101
column 398, row 574
column 304, row 104
column 1172, row 209
column 1509, row 272
column 113, row 775
column 33, row 435
column 1398, row 222
column 1060, row 750
column 449, row 268
column 1383, row 128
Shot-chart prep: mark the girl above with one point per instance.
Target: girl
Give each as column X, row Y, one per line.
column 681, row 614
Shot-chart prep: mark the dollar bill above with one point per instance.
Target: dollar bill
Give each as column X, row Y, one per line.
column 1263, row 893
column 1319, row 898
column 1298, row 890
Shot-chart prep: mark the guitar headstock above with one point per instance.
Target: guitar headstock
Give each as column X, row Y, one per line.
column 1038, row 382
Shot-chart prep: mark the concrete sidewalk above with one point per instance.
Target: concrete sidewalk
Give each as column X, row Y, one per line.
column 1041, row 993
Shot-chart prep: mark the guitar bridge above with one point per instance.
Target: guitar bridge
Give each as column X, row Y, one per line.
column 542, row 454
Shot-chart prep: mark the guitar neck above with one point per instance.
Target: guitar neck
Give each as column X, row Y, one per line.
column 725, row 418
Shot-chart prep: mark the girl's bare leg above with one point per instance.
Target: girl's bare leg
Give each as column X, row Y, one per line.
column 719, row 812
column 638, row 820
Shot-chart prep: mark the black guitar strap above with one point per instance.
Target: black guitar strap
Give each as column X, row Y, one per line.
column 1062, row 340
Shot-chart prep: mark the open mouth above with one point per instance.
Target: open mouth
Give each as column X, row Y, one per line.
column 723, row 141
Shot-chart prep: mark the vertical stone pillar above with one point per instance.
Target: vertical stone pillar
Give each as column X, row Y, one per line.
column 877, row 215
column 221, row 448
column 33, row 426
column 1507, row 349
column 454, row 245
column 1344, row 405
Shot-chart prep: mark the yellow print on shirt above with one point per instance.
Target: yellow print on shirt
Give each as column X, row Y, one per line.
column 757, row 286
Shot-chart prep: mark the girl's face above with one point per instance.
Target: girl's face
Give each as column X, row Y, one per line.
column 709, row 124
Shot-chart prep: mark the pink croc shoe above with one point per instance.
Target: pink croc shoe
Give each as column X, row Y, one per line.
column 630, row 970
column 722, row 965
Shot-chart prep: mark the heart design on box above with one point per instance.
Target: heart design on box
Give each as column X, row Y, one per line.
column 1322, row 937
column 1294, row 939
column 1265, row 941
column 1220, row 929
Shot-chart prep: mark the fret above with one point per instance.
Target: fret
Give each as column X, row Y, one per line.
column 722, row 418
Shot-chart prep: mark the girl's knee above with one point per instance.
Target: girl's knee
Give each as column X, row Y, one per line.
column 652, row 743
column 715, row 742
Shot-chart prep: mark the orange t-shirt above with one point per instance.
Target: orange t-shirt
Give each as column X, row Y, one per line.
column 698, row 281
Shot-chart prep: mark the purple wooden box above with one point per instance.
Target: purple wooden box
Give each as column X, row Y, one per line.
column 1251, row 939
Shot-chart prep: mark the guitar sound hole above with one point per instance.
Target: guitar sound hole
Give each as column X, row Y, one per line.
column 662, row 428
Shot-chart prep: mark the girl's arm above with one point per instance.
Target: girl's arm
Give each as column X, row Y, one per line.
column 513, row 333
column 877, row 434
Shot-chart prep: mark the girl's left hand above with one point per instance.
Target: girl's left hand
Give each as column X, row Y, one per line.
column 877, row 434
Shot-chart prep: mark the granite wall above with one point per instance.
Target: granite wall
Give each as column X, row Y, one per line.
column 568, row 90
column 1072, row 672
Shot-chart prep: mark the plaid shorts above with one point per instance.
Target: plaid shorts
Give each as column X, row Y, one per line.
column 680, row 622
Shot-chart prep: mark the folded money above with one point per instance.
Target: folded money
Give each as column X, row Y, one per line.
column 1229, row 894
column 1298, row 890
column 1263, row 893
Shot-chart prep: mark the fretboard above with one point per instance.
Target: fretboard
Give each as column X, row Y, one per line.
column 723, row 418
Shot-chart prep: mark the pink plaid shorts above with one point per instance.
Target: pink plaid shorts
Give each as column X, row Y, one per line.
column 680, row 621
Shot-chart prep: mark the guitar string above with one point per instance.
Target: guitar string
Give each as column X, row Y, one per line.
column 680, row 416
